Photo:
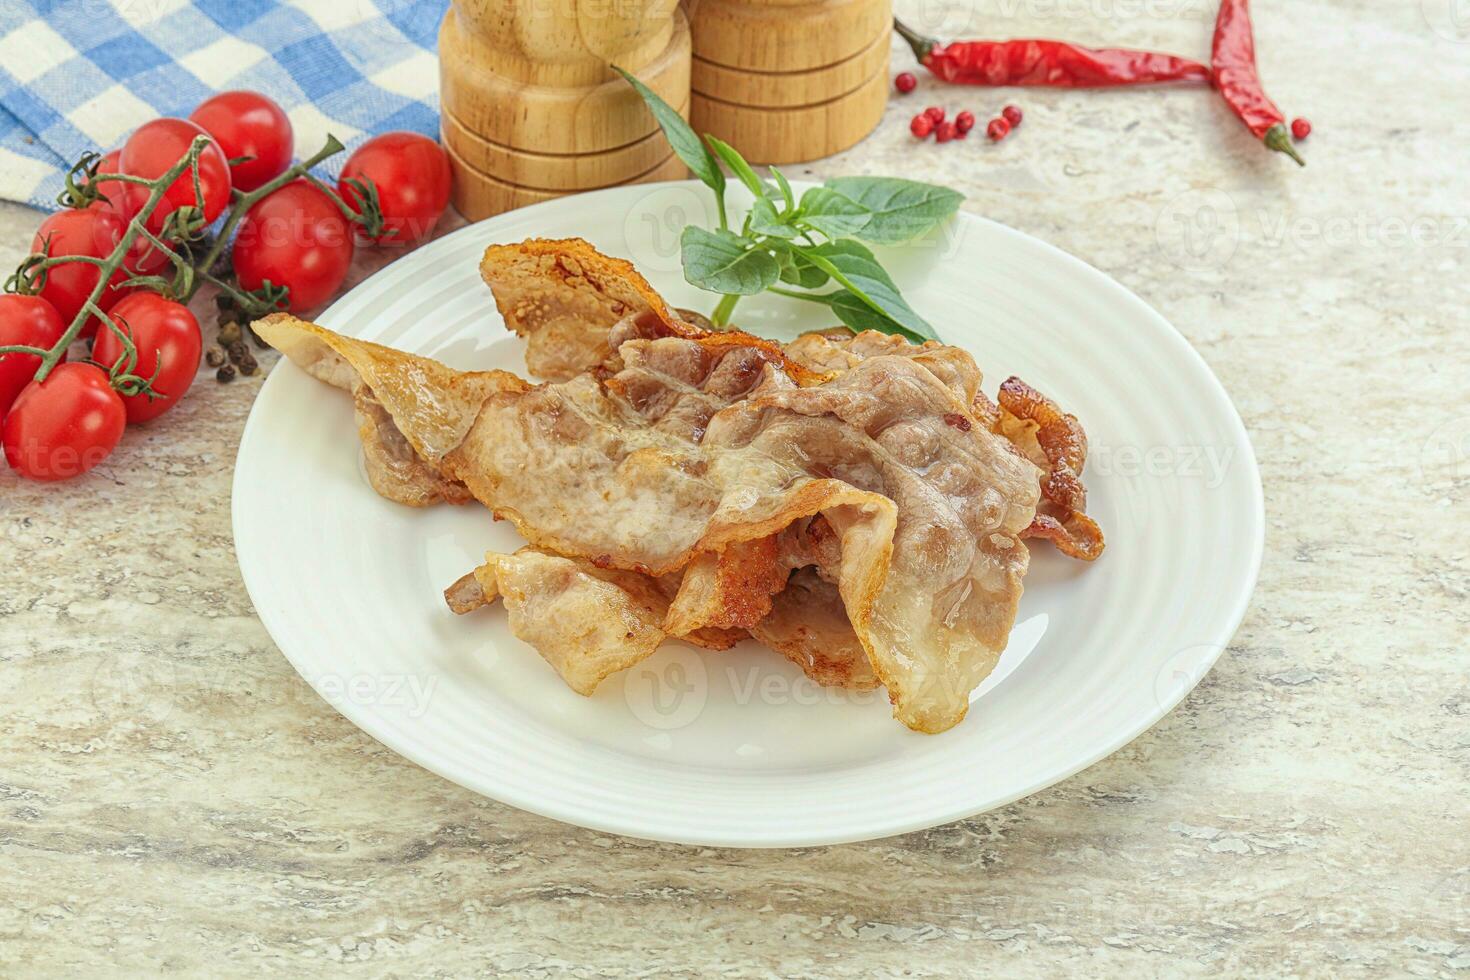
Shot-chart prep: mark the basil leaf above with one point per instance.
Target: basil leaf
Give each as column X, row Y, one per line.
column 765, row 221
column 723, row 262
column 900, row 210
column 683, row 139
column 833, row 214
column 798, row 270
column 785, row 186
column 855, row 268
column 739, row 167
column 859, row 316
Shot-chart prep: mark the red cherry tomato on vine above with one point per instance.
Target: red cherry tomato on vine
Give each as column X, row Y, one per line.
column 33, row 322
column 296, row 237
column 62, row 427
column 89, row 232
column 412, row 176
column 152, row 150
column 247, row 124
column 168, row 341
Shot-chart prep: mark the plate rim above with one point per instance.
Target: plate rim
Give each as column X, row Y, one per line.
column 365, row 719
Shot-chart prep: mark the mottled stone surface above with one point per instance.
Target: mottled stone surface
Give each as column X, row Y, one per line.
column 173, row 797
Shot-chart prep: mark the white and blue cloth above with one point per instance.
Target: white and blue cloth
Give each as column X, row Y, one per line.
column 79, row 75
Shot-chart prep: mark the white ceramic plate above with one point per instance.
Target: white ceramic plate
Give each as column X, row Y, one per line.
column 738, row 748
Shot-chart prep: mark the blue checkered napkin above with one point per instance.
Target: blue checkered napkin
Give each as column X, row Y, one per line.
column 79, row 75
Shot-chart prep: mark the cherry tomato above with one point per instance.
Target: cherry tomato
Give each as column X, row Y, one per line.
column 412, row 176
column 164, row 332
column 296, row 237
column 248, row 124
column 31, row 321
column 93, row 232
column 152, row 150
column 62, row 427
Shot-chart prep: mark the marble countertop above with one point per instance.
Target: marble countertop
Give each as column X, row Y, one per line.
column 173, row 797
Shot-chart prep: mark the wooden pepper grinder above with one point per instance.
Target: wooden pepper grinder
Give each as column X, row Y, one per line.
column 785, row 81
column 531, row 110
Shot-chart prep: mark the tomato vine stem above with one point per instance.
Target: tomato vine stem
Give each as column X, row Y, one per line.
column 186, row 223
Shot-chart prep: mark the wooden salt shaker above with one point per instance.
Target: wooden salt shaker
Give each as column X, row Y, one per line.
column 531, row 110
column 789, row 80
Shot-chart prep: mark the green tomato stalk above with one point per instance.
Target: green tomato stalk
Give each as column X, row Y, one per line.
column 183, row 227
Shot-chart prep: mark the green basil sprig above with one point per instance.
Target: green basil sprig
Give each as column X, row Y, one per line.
column 811, row 243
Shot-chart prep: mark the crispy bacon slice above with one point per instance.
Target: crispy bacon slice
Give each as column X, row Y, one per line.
column 1051, row 439
column 927, row 515
column 565, row 298
column 731, row 589
column 410, row 411
column 586, row 622
column 1054, row 440
column 808, row 625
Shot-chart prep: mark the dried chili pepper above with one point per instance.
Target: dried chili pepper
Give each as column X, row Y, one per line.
column 1042, row 62
column 1234, row 60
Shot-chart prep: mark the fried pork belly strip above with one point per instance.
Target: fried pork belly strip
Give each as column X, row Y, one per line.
column 1050, row 438
column 562, row 606
column 926, row 509
column 411, row 411
column 808, row 625
column 586, row 622
column 575, row 307
column 563, row 297
column 1055, row 442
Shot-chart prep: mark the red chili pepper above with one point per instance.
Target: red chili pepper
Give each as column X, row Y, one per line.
column 1234, row 60
column 1042, row 62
